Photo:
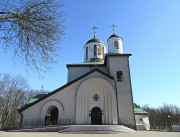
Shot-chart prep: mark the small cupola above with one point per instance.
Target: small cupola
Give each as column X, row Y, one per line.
column 115, row 43
column 94, row 49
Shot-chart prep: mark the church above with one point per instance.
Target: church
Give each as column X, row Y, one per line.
column 98, row 91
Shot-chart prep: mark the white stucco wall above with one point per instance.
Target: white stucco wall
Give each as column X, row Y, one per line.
column 124, row 91
column 111, row 47
column 138, row 118
column 64, row 100
column 65, row 97
column 75, row 72
column 142, row 122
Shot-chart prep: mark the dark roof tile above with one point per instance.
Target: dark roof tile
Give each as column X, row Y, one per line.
column 94, row 40
column 114, row 35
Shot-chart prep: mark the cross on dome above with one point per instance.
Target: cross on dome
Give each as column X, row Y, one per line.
column 113, row 28
column 94, row 30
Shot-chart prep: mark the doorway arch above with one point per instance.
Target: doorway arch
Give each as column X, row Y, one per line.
column 96, row 116
column 48, row 106
column 54, row 115
column 109, row 105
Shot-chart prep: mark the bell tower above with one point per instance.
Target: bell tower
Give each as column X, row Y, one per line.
column 118, row 67
column 115, row 43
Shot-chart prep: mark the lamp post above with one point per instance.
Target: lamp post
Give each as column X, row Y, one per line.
column 169, row 122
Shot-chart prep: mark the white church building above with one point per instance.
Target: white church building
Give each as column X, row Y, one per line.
column 98, row 91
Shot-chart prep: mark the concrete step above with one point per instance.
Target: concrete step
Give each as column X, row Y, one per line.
column 42, row 129
column 96, row 129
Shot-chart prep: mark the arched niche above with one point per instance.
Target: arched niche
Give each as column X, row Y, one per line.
column 82, row 101
column 49, row 106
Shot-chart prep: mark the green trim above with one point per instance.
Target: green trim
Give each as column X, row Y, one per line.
column 37, row 97
column 86, row 64
column 95, row 64
column 140, row 111
column 66, row 85
column 32, row 100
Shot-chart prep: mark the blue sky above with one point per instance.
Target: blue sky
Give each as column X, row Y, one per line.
column 150, row 30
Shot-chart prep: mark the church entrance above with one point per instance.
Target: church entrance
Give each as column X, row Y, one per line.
column 54, row 116
column 96, row 116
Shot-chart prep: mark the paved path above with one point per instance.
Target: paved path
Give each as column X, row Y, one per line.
column 55, row 134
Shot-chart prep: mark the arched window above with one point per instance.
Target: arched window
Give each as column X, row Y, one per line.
column 99, row 50
column 103, row 51
column 116, row 45
column 95, row 50
column 119, row 76
column 86, row 53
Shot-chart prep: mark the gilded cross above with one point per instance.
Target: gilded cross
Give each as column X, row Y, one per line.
column 113, row 28
column 94, row 30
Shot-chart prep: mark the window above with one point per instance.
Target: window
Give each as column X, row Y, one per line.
column 119, row 76
column 99, row 50
column 95, row 50
column 103, row 51
column 86, row 53
column 116, row 45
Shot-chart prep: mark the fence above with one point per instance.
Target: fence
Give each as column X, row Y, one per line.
column 175, row 128
column 36, row 123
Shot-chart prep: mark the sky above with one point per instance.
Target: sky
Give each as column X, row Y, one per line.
column 150, row 30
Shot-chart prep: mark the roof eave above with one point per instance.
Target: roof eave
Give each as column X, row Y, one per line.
column 141, row 113
column 85, row 65
column 118, row 54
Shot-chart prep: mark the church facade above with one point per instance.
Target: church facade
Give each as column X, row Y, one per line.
column 98, row 91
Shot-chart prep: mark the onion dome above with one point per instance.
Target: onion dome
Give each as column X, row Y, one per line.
column 94, row 50
column 94, row 39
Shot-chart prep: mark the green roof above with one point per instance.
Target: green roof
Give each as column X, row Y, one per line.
column 32, row 100
column 140, row 111
column 37, row 97
column 87, row 63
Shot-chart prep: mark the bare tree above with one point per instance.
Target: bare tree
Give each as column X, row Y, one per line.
column 163, row 117
column 32, row 29
column 12, row 91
